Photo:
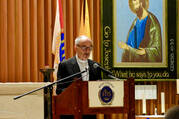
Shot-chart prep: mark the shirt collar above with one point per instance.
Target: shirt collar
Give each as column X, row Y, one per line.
column 81, row 61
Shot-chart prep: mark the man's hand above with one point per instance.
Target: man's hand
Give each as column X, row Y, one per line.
column 141, row 51
column 123, row 45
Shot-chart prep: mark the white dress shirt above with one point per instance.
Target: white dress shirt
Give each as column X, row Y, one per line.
column 83, row 64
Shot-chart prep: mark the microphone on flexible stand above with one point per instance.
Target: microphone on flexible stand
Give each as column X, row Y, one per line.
column 50, row 84
column 65, row 80
column 95, row 65
column 73, row 75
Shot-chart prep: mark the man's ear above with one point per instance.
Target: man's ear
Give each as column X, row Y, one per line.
column 75, row 48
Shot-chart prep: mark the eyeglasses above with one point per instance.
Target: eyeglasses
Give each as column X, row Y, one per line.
column 84, row 48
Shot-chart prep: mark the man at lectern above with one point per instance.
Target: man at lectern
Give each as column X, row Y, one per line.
column 80, row 62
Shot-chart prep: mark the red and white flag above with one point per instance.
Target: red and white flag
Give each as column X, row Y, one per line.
column 58, row 46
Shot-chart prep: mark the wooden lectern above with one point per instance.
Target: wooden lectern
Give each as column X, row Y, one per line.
column 74, row 101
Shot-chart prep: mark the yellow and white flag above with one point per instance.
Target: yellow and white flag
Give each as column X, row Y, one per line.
column 85, row 22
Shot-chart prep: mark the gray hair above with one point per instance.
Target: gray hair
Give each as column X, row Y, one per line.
column 77, row 40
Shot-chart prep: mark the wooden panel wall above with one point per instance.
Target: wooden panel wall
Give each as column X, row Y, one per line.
column 26, row 30
column 171, row 98
column 25, row 40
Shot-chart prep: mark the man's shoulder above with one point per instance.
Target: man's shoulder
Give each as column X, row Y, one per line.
column 151, row 14
column 153, row 20
column 91, row 61
column 152, row 17
column 68, row 61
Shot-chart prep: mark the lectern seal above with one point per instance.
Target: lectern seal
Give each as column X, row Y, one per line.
column 106, row 95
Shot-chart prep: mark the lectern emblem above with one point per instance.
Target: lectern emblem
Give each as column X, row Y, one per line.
column 106, row 95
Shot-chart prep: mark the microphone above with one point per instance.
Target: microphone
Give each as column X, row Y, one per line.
column 73, row 75
column 87, row 69
column 60, row 88
column 95, row 65
column 51, row 84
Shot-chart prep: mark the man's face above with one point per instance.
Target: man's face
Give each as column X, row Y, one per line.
column 83, row 49
column 136, row 4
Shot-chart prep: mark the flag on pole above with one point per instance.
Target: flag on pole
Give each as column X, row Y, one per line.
column 85, row 24
column 58, row 45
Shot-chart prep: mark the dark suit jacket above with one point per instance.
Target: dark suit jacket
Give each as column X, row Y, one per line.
column 69, row 67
